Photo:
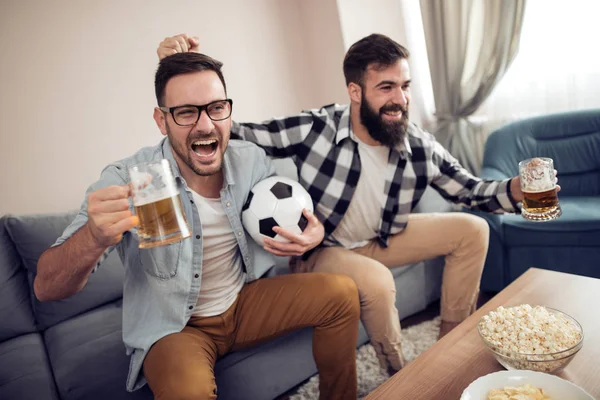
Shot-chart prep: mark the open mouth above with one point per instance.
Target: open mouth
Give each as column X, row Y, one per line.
column 205, row 148
column 394, row 114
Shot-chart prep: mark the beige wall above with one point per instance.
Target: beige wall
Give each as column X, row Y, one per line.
column 381, row 16
column 324, row 40
column 76, row 79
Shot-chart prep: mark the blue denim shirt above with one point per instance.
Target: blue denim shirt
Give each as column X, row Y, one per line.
column 162, row 284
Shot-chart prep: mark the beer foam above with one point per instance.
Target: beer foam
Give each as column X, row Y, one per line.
column 537, row 186
column 150, row 187
column 537, row 176
column 141, row 199
column 528, row 190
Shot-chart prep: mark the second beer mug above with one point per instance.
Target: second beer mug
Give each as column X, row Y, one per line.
column 157, row 204
column 540, row 201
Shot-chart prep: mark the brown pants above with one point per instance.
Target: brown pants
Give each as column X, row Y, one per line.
column 461, row 237
column 181, row 365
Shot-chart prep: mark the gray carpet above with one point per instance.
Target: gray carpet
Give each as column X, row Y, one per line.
column 415, row 340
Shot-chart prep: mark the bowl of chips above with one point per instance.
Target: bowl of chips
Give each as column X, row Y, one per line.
column 525, row 385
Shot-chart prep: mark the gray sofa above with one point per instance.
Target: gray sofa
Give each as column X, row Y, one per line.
column 73, row 349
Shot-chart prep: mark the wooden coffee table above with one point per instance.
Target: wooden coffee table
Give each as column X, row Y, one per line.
column 451, row 364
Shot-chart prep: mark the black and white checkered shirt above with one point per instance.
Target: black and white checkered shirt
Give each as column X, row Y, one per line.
column 329, row 166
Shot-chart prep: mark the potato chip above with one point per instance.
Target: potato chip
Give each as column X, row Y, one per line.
column 523, row 392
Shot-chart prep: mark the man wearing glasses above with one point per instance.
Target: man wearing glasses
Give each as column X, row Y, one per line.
column 366, row 167
column 176, row 325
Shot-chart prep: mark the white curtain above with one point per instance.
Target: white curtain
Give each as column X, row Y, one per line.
column 558, row 66
column 470, row 45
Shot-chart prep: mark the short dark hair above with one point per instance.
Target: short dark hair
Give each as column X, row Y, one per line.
column 375, row 49
column 183, row 63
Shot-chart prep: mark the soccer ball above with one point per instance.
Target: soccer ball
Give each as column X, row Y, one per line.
column 275, row 201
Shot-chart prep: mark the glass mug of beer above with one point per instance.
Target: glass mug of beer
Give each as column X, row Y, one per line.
column 540, row 201
column 157, row 204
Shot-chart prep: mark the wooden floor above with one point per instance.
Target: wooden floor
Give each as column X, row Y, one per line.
column 432, row 311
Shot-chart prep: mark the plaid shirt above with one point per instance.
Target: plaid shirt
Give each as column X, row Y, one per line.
column 329, row 166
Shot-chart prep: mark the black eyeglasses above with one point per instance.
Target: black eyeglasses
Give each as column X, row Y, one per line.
column 189, row 114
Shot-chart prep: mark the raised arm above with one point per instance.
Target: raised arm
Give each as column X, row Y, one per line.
column 63, row 270
column 280, row 137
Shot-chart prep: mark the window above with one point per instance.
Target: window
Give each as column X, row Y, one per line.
column 558, row 65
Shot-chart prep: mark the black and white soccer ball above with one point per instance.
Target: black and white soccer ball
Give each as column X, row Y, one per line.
column 275, row 201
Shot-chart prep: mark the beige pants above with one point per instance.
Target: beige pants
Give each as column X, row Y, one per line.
column 461, row 237
column 180, row 366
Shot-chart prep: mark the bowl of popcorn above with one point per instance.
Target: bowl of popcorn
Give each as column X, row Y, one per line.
column 529, row 337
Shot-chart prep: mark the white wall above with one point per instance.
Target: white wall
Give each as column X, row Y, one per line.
column 76, row 79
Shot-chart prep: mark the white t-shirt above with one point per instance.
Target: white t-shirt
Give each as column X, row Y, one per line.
column 222, row 273
column 363, row 217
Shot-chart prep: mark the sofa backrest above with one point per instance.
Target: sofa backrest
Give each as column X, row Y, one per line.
column 571, row 139
column 24, row 239
column 15, row 302
column 30, row 236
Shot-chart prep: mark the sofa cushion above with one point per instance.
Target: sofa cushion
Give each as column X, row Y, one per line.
column 24, row 369
column 88, row 356
column 15, row 301
column 579, row 225
column 32, row 235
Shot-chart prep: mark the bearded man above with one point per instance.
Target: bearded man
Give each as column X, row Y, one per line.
column 366, row 167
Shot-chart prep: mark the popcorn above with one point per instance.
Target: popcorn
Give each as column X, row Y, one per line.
column 524, row 335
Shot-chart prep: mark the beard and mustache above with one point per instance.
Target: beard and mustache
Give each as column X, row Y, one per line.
column 183, row 151
column 388, row 133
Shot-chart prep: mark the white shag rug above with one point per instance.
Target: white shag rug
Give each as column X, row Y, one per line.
column 415, row 340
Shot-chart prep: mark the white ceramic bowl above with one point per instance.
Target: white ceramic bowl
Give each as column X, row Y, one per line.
column 555, row 387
